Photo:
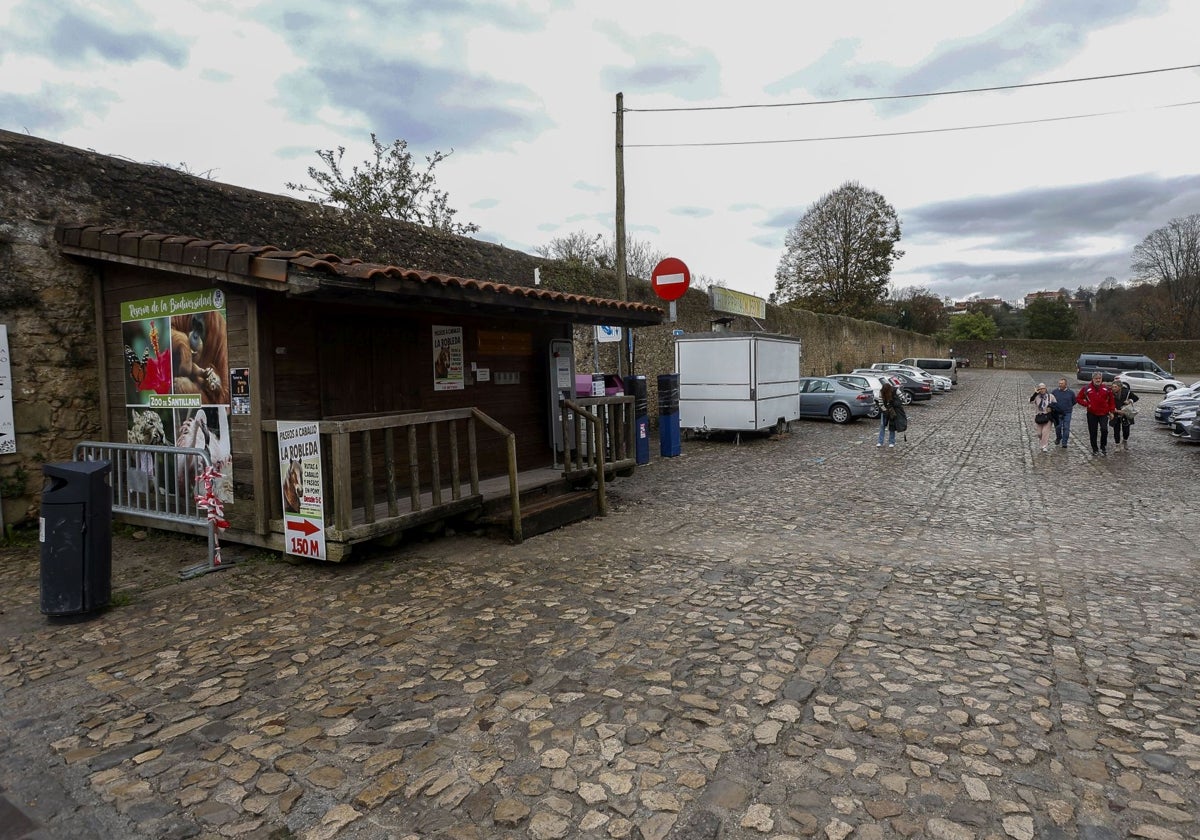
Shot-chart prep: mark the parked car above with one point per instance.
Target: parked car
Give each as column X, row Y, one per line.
column 862, row 380
column 943, row 383
column 1148, row 380
column 822, row 396
column 1165, row 409
column 1184, row 393
column 914, row 372
column 938, row 382
column 910, row 388
column 1182, row 422
column 1192, row 433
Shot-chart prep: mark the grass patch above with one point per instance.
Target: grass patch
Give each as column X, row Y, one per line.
column 20, row 537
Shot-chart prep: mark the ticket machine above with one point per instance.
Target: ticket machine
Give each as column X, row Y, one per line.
column 562, row 386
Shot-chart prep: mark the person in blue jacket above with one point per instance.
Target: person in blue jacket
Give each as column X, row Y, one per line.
column 1064, row 402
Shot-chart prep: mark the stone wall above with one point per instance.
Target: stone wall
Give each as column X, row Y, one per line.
column 1062, row 355
column 46, row 300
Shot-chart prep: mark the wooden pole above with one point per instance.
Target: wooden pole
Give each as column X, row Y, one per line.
column 622, row 290
column 622, row 284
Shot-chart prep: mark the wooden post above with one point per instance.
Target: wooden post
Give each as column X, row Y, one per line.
column 622, row 289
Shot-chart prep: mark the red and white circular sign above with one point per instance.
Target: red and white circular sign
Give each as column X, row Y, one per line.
column 670, row 279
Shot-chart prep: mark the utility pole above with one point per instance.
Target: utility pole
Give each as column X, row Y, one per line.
column 622, row 285
column 622, row 290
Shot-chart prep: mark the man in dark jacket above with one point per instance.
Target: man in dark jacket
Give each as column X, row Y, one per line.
column 1097, row 398
column 1064, row 404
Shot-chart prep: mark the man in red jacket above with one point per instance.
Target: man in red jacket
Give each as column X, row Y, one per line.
column 1097, row 398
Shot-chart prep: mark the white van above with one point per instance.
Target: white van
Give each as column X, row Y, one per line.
column 942, row 367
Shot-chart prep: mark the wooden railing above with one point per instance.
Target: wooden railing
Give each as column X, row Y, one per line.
column 362, row 505
column 602, row 429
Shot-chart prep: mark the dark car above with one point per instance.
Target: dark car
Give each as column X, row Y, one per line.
column 821, row 396
column 1162, row 414
column 910, row 389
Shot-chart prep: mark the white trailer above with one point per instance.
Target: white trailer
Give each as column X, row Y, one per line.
column 738, row 382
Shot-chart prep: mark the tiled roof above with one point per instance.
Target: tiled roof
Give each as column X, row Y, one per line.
column 265, row 262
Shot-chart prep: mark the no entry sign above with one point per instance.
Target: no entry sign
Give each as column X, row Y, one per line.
column 670, row 279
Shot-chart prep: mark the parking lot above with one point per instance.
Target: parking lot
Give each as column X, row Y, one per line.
column 799, row 636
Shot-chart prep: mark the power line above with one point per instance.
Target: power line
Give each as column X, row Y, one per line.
column 905, row 133
column 914, row 95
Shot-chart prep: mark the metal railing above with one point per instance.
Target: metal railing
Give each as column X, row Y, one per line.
column 155, row 485
column 405, row 449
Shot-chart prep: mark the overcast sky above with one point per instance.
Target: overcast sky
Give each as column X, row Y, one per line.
column 524, row 93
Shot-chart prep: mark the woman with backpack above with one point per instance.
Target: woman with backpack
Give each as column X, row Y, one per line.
column 887, row 398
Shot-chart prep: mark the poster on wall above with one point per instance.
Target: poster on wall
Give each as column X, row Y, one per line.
column 8, row 429
column 302, row 489
column 239, row 393
column 448, row 359
column 176, row 380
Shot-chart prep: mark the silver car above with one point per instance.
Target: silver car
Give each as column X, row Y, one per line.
column 1147, row 380
column 823, row 396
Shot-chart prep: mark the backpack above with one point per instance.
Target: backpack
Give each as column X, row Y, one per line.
column 899, row 419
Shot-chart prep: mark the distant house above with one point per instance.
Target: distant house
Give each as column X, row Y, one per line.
column 1047, row 295
column 960, row 306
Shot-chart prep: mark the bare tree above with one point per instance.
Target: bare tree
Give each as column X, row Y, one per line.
column 1170, row 258
column 596, row 250
column 579, row 247
column 389, row 185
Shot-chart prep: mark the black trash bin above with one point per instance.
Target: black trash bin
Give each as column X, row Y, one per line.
column 76, row 537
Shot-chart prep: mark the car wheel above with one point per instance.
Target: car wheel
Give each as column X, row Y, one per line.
column 906, row 398
column 874, row 412
column 1168, row 389
column 839, row 414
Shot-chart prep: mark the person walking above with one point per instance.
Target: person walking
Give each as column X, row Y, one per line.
column 1097, row 398
column 887, row 393
column 1123, row 411
column 1043, row 403
column 1064, row 404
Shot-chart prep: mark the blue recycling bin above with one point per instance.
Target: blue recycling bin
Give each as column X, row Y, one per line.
column 668, row 415
column 635, row 386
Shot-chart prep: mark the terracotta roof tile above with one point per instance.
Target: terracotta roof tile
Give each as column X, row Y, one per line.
column 235, row 258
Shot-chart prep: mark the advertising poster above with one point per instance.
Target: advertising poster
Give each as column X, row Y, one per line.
column 8, row 429
column 302, row 489
column 176, row 378
column 239, row 384
column 448, row 372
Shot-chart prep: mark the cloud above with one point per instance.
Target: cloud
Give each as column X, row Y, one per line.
column 74, row 38
column 1040, row 37
column 1057, row 219
column 661, row 63
column 54, row 108
column 691, row 212
column 430, row 107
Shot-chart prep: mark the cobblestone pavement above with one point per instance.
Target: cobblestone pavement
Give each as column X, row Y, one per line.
column 958, row 638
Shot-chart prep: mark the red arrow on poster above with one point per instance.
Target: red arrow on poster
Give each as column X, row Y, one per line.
column 302, row 525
